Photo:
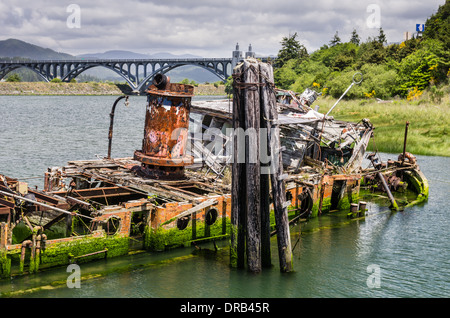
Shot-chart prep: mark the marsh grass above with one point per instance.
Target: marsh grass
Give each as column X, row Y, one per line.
column 428, row 129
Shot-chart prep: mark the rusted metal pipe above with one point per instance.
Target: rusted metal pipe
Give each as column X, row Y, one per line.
column 354, row 81
column 93, row 253
column 404, row 142
column 40, row 242
column 111, row 124
column 386, row 187
column 33, row 240
column 377, row 166
column 25, row 244
column 161, row 81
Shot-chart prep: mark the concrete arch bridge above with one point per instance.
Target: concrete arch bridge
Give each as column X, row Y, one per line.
column 137, row 73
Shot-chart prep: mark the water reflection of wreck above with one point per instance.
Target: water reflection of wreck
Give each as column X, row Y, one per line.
column 107, row 207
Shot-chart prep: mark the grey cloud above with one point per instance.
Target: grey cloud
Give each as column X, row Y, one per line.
column 205, row 27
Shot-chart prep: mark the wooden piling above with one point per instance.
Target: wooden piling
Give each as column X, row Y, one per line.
column 252, row 165
column 269, row 107
column 354, row 209
column 254, row 107
column 246, row 215
column 238, row 187
column 266, row 255
column 362, row 208
column 69, row 225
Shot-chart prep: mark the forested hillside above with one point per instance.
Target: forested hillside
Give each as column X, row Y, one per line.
column 404, row 70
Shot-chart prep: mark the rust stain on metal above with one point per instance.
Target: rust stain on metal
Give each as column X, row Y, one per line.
column 163, row 153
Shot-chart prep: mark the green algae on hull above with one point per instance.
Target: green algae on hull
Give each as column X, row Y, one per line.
column 63, row 253
column 160, row 239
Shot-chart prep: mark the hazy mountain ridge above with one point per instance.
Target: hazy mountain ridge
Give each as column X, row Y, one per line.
column 120, row 54
column 18, row 48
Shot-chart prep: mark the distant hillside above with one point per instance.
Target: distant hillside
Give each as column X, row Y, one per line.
column 115, row 54
column 120, row 54
column 165, row 55
column 17, row 48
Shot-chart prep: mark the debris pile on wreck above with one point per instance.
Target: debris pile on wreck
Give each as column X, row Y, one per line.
column 176, row 190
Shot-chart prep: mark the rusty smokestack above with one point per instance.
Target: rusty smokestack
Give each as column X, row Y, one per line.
column 163, row 153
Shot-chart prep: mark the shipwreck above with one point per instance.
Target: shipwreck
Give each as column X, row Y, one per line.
column 177, row 190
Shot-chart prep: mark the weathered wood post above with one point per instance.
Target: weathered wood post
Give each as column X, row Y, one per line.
column 266, row 257
column 269, row 107
column 354, row 209
column 362, row 208
column 254, row 107
column 252, row 164
column 238, row 187
column 69, row 224
column 246, row 215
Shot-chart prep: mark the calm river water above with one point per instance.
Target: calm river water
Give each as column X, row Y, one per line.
column 333, row 256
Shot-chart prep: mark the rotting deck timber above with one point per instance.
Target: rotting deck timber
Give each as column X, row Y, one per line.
column 120, row 207
column 110, row 210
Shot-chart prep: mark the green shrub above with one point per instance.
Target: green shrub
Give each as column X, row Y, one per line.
column 13, row 78
column 378, row 81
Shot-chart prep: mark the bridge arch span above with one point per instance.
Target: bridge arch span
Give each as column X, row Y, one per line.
column 117, row 68
column 221, row 73
column 6, row 70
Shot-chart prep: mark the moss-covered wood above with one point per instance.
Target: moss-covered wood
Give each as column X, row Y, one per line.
column 5, row 264
column 62, row 253
column 161, row 239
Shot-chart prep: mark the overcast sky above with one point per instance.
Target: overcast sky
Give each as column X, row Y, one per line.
column 209, row 28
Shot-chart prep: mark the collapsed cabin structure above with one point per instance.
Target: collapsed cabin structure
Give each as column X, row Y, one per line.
column 176, row 190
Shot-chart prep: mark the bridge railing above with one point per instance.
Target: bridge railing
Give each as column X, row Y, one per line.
column 116, row 60
column 215, row 59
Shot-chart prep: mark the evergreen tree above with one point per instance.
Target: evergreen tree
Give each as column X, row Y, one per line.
column 371, row 52
column 291, row 48
column 336, row 39
column 355, row 38
column 437, row 26
column 381, row 37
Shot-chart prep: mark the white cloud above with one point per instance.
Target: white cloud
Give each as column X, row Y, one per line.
column 203, row 27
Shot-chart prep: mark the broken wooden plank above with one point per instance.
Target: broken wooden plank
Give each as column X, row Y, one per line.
column 15, row 196
column 197, row 208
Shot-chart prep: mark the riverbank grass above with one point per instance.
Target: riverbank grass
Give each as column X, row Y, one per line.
column 88, row 88
column 428, row 129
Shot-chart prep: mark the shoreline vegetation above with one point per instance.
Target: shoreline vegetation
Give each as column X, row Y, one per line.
column 88, row 88
column 428, row 130
column 414, row 75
